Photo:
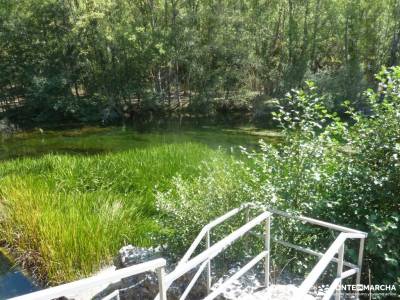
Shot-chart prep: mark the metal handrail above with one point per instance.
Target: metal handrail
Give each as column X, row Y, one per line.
column 204, row 260
column 205, row 232
column 76, row 287
column 349, row 232
column 317, row 222
column 215, row 249
column 237, row 275
column 336, row 282
column 325, row 257
column 194, row 280
column 336, row 247
column 206, row 229
column 211, row 252
column 312, row 252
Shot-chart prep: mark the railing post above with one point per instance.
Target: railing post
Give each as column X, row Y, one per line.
column 247, row 215
column 339, row 271
column 208, row 265
column 247, row 220
column 359, row 264
column 267, row 238
column 161, row 283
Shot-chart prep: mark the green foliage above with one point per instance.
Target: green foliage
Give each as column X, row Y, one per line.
column 324, row 168
column 334, row 85
column 100, row 60
column 191, row 204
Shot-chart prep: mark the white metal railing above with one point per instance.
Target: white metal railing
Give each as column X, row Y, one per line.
column 75, row 288
column 204, row 258
column 205, row 232
column 325, row 258
column 337, row 247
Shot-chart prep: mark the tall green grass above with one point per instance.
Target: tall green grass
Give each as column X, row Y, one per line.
column 66, row 216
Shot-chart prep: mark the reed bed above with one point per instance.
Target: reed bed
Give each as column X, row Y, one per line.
column 65, row 216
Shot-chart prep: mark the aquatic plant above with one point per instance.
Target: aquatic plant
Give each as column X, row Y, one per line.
column 65, row 216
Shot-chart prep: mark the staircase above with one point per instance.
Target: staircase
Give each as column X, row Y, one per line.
column 203, row 262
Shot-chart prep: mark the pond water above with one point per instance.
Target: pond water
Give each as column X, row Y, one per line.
column 12, row 281
column 97, row 140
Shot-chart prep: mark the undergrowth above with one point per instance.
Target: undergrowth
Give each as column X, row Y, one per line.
column 66, row 216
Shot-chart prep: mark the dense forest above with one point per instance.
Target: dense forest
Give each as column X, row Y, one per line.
column 324, row 72
column 102, row 60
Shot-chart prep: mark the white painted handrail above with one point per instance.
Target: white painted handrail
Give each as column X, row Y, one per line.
column 204, row 259
column 214, row 250
column 336, row 282
column 193, row 281
column 206, row 229
column 316, row 222
column 325, row 258
column 236, row 276
column 211, row 252
column 76, row 287
column 205, row 232
column 306, row 250
column 336, row 247
column 206, row 256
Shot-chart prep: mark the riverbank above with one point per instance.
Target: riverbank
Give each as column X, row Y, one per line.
column 72, row 198
column 13, row 281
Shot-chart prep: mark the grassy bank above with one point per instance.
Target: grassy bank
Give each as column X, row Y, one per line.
column 64, row 216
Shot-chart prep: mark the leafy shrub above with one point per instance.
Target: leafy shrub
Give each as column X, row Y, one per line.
column 340, row 84
column 191, row 204
column 324, row 168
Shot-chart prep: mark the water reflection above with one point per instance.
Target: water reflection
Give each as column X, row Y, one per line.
column 12, row 281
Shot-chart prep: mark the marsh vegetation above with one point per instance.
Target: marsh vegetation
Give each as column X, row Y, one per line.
column 312, row 70
column 72, row 198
